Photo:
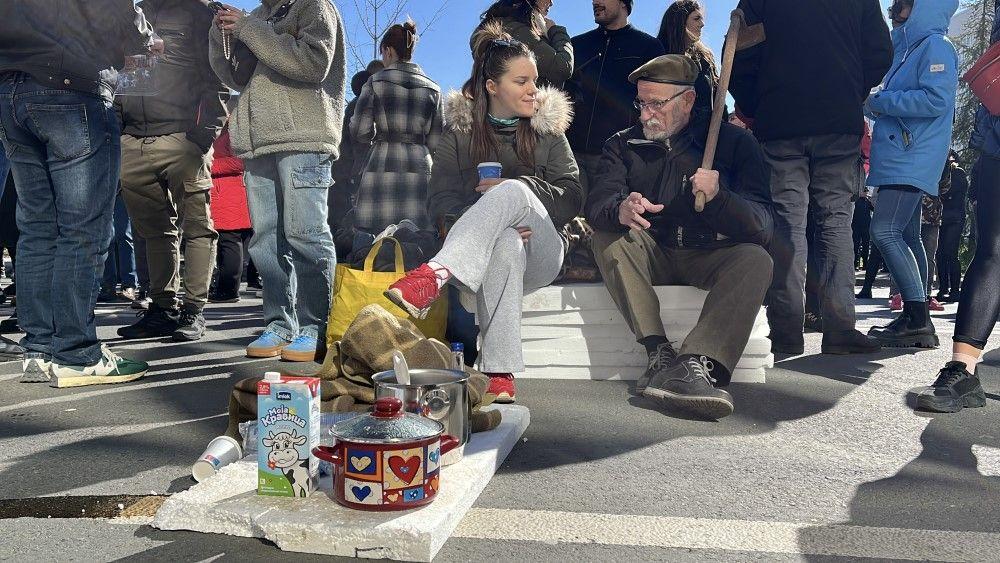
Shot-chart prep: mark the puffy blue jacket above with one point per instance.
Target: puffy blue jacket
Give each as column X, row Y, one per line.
column 916, row 107
column 986, row 134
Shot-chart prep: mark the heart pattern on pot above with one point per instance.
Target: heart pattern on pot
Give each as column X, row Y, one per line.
column 435, row 455
column 361, row 463
column 434, row 483
column 404, row 469
column 392, row 497
column 361, row 493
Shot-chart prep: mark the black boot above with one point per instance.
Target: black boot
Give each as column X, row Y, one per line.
column 661, row 357
column 954, row 389
column 865, row 293
column 912, row 329
column 849, row 342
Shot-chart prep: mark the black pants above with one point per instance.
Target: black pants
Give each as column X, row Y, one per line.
column 948, row 265
column 230, row 260
column 980, row 302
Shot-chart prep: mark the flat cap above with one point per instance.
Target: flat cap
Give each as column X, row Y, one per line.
column 667, row 69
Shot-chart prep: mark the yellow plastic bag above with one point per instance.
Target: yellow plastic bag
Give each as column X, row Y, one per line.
column 355, row 289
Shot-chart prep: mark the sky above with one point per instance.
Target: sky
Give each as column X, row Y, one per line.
column 443, row 50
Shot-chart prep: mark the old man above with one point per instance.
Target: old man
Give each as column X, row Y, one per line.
column 642, row 204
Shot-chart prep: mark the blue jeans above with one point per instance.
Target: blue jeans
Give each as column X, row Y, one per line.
column 896, row 233
column 120, row 265
column 4, row 169
column 65, row 153
column 291, row 245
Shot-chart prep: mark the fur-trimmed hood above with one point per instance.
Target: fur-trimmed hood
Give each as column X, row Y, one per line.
column 554, row 115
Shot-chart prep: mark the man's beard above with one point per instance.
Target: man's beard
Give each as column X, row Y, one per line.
column 653, row 130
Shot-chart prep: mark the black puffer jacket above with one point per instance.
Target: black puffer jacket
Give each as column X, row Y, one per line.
column 190, row 97
column 630, row 163
column 602, row 95
column 71, row 44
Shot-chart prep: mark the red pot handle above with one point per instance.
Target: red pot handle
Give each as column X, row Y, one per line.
column 327, row 453
column 449, row 443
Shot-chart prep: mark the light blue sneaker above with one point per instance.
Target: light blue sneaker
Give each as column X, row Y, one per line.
column 302, row 349
column 267, row 345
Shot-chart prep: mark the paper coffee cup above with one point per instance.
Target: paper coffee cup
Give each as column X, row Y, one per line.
column 490, row 170
column 221, row 451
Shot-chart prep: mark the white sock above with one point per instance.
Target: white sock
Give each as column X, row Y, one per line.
column 969, row 361
column 442, row 273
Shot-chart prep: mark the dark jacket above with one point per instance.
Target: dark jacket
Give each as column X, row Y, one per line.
column 553, row 51
column 190, row 95
column 741, row 212
column 602, row 95
column 954, row 199
column 816, row 68
column 554, row 178
column 72, row 44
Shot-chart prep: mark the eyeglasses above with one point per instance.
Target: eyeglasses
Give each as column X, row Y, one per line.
column 657, row 105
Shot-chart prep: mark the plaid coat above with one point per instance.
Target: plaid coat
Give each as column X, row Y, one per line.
column 399, row 111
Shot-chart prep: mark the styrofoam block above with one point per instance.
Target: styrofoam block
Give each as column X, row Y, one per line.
column 622, row 373
column 596, row 297
column 755, row 346
column 228, row 504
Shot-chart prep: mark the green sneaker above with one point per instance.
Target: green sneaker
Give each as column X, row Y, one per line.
column 111, row 368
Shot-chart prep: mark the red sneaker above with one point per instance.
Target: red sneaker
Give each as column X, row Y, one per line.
column 502, row 385
column 415, row 292
column 934, row 305
column 896, row 302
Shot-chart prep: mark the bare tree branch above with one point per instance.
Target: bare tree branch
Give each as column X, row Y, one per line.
column 435, row 16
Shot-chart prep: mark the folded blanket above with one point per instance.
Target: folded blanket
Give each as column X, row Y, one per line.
column 366, row 349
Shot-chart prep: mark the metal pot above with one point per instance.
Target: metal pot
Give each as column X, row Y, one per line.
column 387, row 460
column 437, row 394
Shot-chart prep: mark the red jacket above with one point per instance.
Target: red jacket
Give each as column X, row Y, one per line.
column 229, row 194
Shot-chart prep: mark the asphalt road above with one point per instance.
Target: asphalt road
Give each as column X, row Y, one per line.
column 823, row 462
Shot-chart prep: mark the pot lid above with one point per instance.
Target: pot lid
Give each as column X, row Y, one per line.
column 387, row 424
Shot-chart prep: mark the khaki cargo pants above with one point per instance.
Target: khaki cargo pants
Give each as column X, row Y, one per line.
column 166, row 182
column 736, row 278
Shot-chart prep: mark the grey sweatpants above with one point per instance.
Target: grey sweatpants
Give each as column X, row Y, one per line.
column 485, row 253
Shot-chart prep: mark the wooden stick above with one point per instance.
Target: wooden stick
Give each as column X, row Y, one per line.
column 736, row 22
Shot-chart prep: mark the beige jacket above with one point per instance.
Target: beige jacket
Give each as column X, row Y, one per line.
column 295, row 99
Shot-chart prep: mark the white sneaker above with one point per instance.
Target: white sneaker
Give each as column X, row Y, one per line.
column 111, row 368
column 35, row 368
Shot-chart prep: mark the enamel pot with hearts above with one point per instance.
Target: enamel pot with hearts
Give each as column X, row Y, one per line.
column 387, row 460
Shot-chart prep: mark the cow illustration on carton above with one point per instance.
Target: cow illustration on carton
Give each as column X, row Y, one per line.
column 284, row 456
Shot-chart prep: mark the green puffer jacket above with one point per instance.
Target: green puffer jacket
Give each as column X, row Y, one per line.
column 553, row 51
column 554, row 178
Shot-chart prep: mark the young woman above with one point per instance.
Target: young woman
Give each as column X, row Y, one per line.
column 528, row 22
column 680, row 34
column 957, row 385
column 504, row 240
column 913, row 123
column 400, row 110
column 231, row 216
column 286, row 128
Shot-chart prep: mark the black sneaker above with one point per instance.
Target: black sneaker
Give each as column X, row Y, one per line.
column 865, row 293
column 141, row 301
column 661, row 358
column 849, row 342
column 9, row 325
column 813, row 322
column 954, row 389
column 155, row 322
column 190, row 326
column 688, row 385
column 10, row 350
column 108, row 294
column 222, row 298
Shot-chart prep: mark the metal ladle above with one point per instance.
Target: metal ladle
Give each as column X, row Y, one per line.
column 400, row 368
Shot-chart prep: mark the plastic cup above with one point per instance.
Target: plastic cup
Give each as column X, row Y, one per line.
column 221, row 451
column 490, row 170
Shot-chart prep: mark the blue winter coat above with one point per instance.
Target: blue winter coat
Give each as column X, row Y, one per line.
column 916, row 107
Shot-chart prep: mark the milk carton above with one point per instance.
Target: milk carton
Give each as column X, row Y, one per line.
column 288, row 428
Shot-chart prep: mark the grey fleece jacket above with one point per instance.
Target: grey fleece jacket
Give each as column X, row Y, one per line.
column 295, row 99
